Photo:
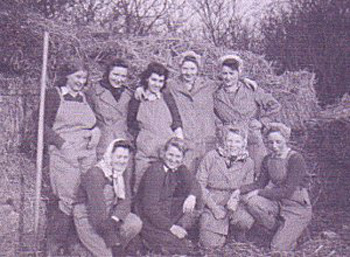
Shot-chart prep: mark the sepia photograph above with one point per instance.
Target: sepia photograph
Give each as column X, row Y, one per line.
column 156, row 128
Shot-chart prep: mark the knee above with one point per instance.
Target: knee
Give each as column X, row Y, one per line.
column 211, row 240
column 132, row 224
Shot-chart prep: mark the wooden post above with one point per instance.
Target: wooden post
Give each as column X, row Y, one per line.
column 40, row 143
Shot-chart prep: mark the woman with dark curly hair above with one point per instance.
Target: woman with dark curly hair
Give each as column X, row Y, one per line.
column 153, row 119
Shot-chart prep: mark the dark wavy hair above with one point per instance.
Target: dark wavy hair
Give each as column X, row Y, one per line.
column 69, row 68
column 231, row 63
column 110, row 65
column 157, row 68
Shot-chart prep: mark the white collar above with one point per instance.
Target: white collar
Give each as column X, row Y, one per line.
column 65, row 91
column 150, row 96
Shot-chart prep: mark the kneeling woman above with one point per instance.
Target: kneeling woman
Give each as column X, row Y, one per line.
column 279, row 199
column 103, row 219
column 221, row 173
column 168, row 201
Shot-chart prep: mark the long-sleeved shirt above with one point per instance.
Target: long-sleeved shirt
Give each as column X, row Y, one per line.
column 285, row 181
column 96, row 191
column 219, row 181
column 247, row 103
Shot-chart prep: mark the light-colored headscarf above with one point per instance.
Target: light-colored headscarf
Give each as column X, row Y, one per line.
column 234, row 57
column 191, row 54
column 279, row 127
column 105, row 164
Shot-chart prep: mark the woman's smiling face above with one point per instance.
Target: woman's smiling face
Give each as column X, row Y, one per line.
column 77, row 80
column 229, row 76
column 155, row 83
column 189, row 71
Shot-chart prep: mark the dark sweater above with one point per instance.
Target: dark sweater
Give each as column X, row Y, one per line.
column 296, row 177
column 92, row 193
column 161, row 195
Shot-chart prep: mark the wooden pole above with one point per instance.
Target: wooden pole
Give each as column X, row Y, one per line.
column 40, row 143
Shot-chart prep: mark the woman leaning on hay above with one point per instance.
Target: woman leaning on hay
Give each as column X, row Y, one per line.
column 221, row 173
column 239, row 100
column 111, row 96
column 71, row 133
column 153, row 119
column 279, row 198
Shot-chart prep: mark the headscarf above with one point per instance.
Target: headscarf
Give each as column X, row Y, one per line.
column 233, row 57
column 192, row 57
column 281, row 128
column 105, row 164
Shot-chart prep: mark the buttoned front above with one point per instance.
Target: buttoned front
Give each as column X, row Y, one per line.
column 111, row 114
column 196, row 108
column 218, row 183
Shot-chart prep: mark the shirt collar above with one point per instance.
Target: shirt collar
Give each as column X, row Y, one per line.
column 167, row 169
column 66, row 91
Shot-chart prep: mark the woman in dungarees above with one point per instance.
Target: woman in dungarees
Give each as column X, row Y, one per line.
column 154, row 119
column 110, row 97
column 239, row 100
column 279, row 199
column 71, row 133
column 221, row 173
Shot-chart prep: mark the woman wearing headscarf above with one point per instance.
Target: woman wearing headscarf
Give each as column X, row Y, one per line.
column 70, row 132
column 103, row 217
column 221, row 173
column 111, row 97
column 240, row 100
column 168, row 202
column 154, row 119
column 279, row 198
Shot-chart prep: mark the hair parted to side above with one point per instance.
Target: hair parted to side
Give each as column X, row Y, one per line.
column 69, row 67
column 179, row 143
column 117, row 62
column 157, row 68
column 222, row 131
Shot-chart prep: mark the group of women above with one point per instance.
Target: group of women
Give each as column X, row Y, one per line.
column 173, row 154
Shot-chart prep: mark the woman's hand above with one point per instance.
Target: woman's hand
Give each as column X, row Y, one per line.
column 94, row 138
column 139, row 93
column 219, row 212
column 178, row 231
column 232, row 203
column 189, row 204
column 179, row 133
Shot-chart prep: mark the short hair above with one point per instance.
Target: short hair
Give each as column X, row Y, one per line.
column 68, row 68
column 157, row 68
column 118, row 62
column 179, row 143
column 231, row 63
column 222, row 132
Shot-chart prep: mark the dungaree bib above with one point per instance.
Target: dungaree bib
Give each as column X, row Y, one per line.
column 74, row 121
